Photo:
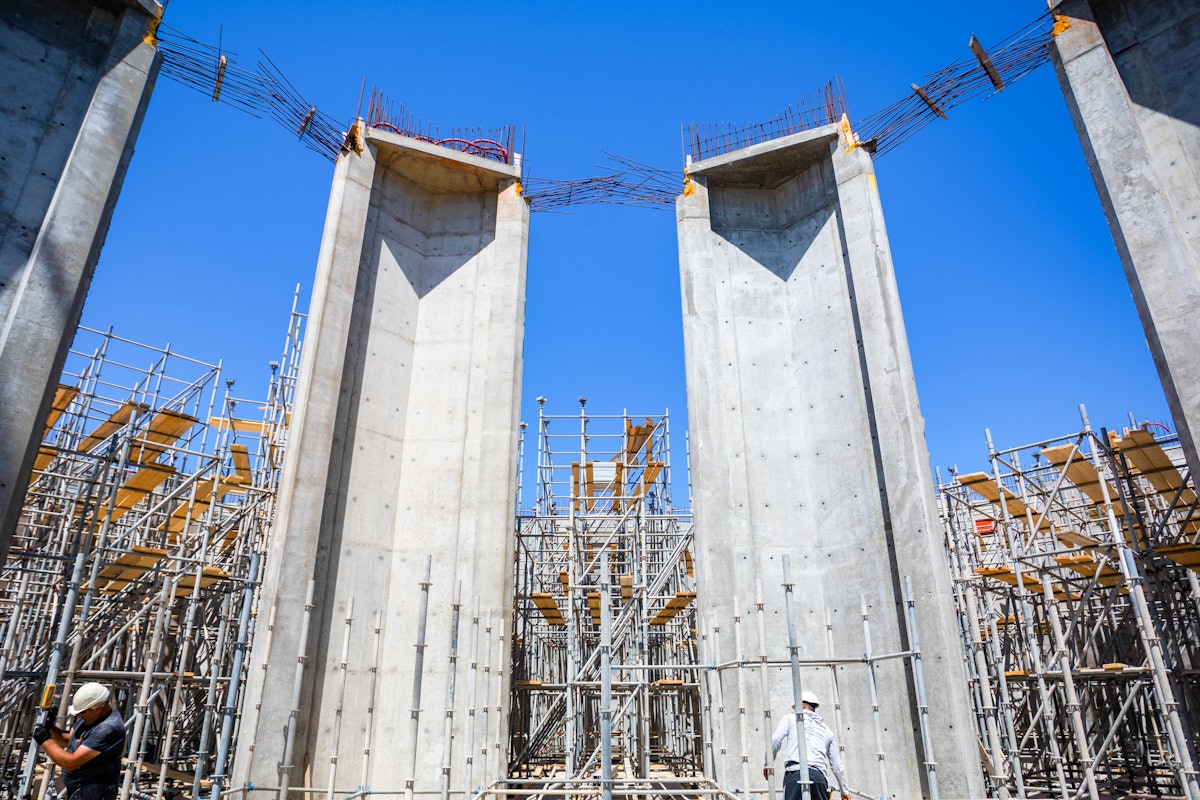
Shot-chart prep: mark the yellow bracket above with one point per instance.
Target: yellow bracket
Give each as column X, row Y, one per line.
column 520, row 191
column 1061, row 23
column 151, row 37
column 849, row 137
column 689, row 188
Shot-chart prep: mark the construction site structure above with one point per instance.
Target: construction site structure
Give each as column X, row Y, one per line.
column 78, row 76
column 399, row 482
column 1075, row 566
column 605, row 683
column 1128, row 72
column 807, row 444
column 137, row 558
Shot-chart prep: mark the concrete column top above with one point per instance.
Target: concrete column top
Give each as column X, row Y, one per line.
column 767, row 163
column 436, row 166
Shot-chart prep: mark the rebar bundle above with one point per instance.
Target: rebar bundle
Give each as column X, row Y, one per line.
column 985, row 73
column 623, row 182
column 265, row 91
column 1075, row 566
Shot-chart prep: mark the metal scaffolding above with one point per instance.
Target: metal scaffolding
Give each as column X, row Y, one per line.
column 136, row 559
column 1074, row 561
column 605, row 684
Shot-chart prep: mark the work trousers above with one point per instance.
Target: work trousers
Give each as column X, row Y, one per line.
column 95, row 791
column 793, row 788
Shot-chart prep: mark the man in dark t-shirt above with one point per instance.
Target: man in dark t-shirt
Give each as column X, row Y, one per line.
column 90, row 756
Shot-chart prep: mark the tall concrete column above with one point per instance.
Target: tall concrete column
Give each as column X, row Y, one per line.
column 401, row 450
column 76, row 79
column 1128, row 70
column 807, row 441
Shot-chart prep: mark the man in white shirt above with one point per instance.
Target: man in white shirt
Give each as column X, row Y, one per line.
column 821, row 754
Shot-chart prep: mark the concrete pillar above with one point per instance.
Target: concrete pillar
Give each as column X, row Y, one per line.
column 1128, row 71
column 77, row 79
column 807, row 440
column 401, row 448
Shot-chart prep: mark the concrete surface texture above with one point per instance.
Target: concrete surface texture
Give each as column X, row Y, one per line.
column 400, row 460
column 75, row 79
column 1128, row 70
column 807, row 442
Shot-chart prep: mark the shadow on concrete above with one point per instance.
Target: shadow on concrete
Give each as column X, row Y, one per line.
column 1152, row 43
column 431, row 233
column 765, row 227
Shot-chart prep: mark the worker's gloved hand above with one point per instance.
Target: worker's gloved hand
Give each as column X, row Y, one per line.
column 40, row 734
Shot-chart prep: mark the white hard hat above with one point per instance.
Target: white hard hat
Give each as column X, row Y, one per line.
column 88, row 696
column 810, row 698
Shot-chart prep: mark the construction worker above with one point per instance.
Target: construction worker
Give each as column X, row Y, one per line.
column 821, row 754
column 90, row 756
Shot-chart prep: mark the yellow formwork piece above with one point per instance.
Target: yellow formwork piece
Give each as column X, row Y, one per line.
column 626, row 587
column 593, row 599
column 132, row 565
column 45, row 455
column 206, row 491
column 1076, row 539
column 1087, row 566
column 63, row 396
column 165, row 429
column 678, row 603
column 1184, row 554
column 116, row 420
column 1081, row 473
column 1006, row 575
column 240, row 455
column 649, row 476
column 1145, row 454
column 636, row 437
column 144, row 481
column 985, row 486
column 545, row 603
column 575, row 485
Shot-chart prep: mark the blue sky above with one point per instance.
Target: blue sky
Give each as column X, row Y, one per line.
column 1015, row 303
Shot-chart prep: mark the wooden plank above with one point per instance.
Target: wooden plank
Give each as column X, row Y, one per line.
column 133, row 491
column 1006, row 575
column 255, row 426
column 1088, row 566
column 165, row 429
column 45, row 455
column 919, row 92
column 985, row 486
column 548, row 606
column 63, row 396
column 134, row 564
column 241, row 462
column 1081, row 473
column 1185, row 554
column 636, row 437
column 575, row 484
column 110, row 426
column 593, row 600
column 206, row 492
column 1145, row 454
column 678, row 603
column 986, row 62
column 1076, row 539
